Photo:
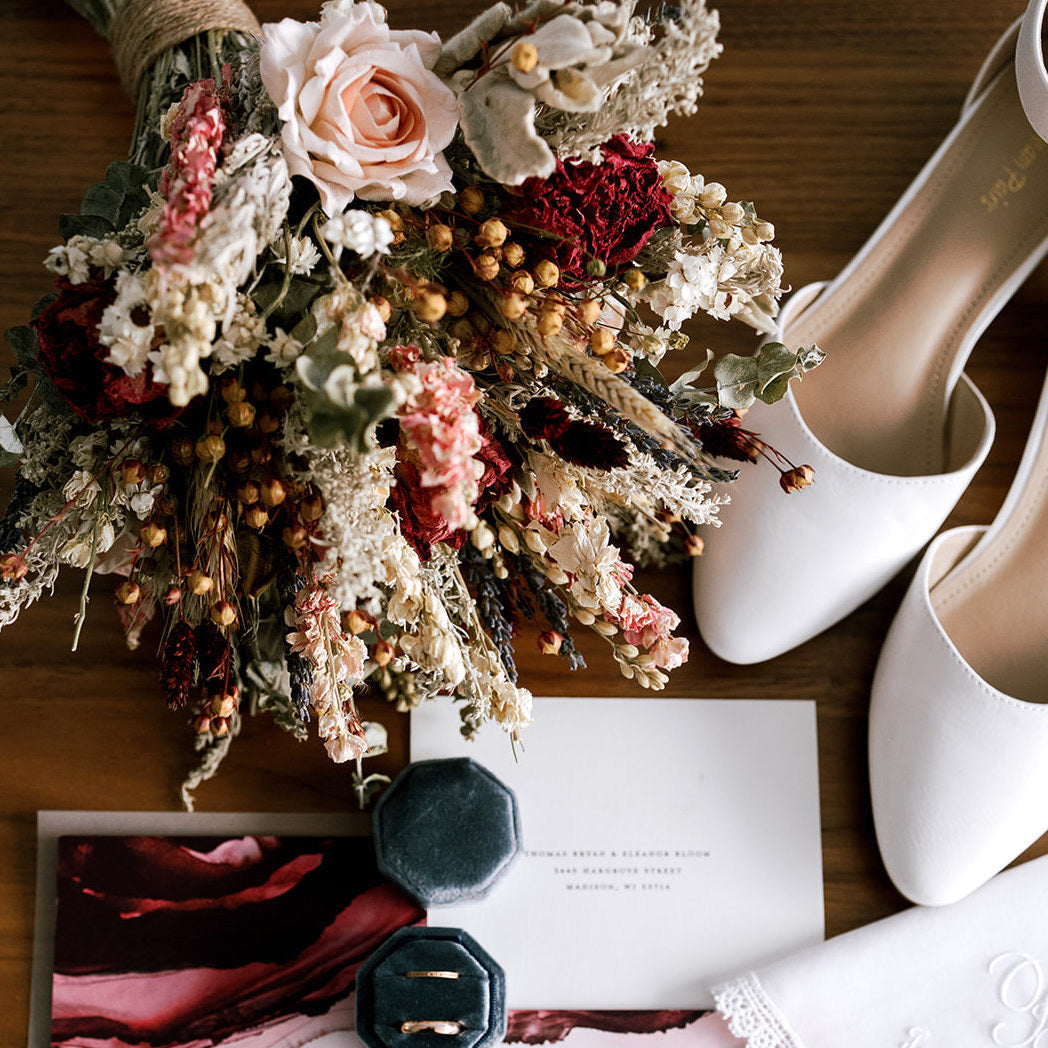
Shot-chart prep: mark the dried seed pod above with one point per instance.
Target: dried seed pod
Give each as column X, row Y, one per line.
column 248, row 493
column 458, row 304
column 430, row 306
column 223, row 614
column 256, row 517
column 550, row 642
column 153, row 535
column 492, row 233
column 240, row 414
column 199, row 582
column 273, row 492
column 440, row 237
column 231, row 390
column 181, row 449
column 132, row 471
column 512, row 254
column 547, row 273
column 471, row 200
column 295, row 536
column 486, row 266
column 128, row 592
column 210, row 448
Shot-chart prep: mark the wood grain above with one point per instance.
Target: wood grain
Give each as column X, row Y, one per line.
column 820, row 112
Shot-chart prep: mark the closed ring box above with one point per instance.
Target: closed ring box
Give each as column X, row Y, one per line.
column 431, row 988
column 446, row 830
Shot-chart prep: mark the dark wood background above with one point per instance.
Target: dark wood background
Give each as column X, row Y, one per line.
column 820, row 112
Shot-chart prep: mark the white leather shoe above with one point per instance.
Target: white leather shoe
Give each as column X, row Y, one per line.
column 890, row 424
column 959, row 714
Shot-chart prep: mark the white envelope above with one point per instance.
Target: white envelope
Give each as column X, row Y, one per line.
column 668, row 843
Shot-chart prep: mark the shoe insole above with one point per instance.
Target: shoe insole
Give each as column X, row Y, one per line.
column 893, row 324
column 995, row 606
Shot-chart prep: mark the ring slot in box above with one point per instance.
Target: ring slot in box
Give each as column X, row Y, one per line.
column 431, row 988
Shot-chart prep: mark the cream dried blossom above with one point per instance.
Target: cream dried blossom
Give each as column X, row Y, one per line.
column 251, row 196
column 361, row 232
column 300, row 255
column 668, row 82
column 240, row 338
column 283, row 349
column 127, row 327
column 75, row 259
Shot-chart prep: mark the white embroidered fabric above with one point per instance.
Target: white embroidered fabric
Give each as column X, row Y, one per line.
column 970, row 975
column 751, row 1014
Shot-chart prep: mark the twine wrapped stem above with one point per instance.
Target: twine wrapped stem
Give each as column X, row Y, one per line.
column 142, row 30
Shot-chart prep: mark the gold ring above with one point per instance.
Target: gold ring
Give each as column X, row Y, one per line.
column 443, row 1026
column 431, row 975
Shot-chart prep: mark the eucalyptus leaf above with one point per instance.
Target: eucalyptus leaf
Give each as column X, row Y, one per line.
column 39, row 307
column 775, row 390
column 325, row 428
column 375, row 400
column 95, row 226
column 773, row 360
column 341, row 385
column 22, row 340
column 102, row 200
column 11, row 448
column 305, row 330
column 124, row 176
column 682, row 386
column 736, row 380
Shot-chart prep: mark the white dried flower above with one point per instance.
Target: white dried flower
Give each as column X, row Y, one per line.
column 358, row 231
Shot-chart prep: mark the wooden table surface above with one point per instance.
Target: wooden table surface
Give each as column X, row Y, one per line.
column 819, row 112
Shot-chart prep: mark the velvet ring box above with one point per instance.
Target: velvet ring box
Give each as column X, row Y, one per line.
column 446, row 830
column 431, row 988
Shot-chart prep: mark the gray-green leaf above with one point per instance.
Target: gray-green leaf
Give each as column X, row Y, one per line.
column 10, row 446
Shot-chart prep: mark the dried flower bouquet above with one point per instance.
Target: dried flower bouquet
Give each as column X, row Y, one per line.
column 355, row 360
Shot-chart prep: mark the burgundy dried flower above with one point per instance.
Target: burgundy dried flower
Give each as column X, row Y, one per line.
column 543, row 418
column 176, row 665
column 604, row 212
column 574, row 440
column 216, row 656
column 74, row 359
column 726, row 438
column 590, row 444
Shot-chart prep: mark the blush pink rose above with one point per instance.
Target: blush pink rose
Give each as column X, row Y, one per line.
column 363, row 115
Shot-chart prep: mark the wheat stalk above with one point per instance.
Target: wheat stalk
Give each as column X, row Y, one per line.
column 591, row 375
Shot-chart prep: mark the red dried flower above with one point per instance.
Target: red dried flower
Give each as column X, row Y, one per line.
column 601, row 211
column 74, row 359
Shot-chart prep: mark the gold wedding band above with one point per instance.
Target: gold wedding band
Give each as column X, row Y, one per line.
column 431, row 975
column 431, row 1026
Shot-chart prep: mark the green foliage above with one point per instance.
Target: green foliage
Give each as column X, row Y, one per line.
column 109, row 206
column 10, row 446
column 765, row 376
column 340, row 407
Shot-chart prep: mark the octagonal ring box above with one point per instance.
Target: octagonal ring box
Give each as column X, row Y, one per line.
column 446, row 830
column 431, row 988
